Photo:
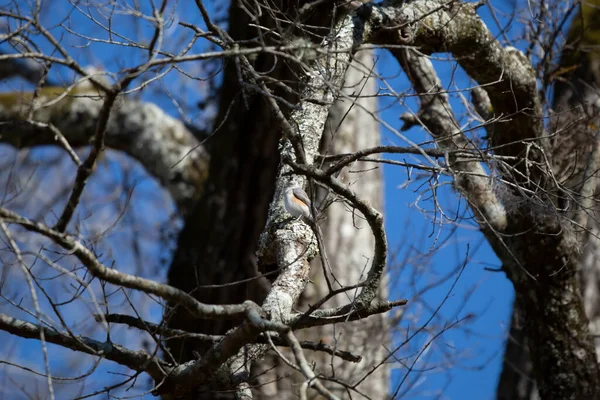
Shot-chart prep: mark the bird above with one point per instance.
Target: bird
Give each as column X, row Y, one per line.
column 297, row 203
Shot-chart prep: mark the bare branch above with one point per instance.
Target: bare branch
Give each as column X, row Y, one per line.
column 97, row 269
column 436, row 115
column 504, row 73
column 162, row 144
column 309, row 374
column 85, row 169
column 168, row 333
column 136, row 360
column 341, row 314
column 27, row 68
column 374, row 219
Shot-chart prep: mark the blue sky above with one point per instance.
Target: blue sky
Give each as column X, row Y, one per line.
column 490, row 293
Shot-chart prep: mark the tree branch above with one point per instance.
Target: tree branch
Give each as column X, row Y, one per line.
column 136, row 360
column 163, row 145
column 503, row 72
column 348, row 312
column 436, row 115
column 374, row 219
column 169, row 333
column 97, row 269
column 538, row 249
column 84, row 171
column 27, row 68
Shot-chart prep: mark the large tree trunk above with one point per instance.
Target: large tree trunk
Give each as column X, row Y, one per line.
column 575, row 155
column 218, row 242
column 349, row 246
column 348, row 239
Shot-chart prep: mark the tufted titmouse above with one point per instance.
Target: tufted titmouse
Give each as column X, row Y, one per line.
column 297, row 203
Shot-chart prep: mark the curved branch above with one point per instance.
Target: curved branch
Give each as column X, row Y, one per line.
column 163, row 145
column 436, row 115
column 538, row 250
column 504, row 72
column 374, row 219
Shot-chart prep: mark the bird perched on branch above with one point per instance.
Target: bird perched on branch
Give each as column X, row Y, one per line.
column 297, row 202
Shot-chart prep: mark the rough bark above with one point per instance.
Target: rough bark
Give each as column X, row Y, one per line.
column 575, row 162
column 538, row 247
column 516, row 380
column 218, row 240
column 348, row 245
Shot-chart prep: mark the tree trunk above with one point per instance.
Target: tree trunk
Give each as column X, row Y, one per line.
column 349, row 246
column 575, row 155
column 218, row 242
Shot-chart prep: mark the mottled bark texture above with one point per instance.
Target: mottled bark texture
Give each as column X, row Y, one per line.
column 574, row 151
column 350, row 127
column 516, row 380
column 562, row 352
